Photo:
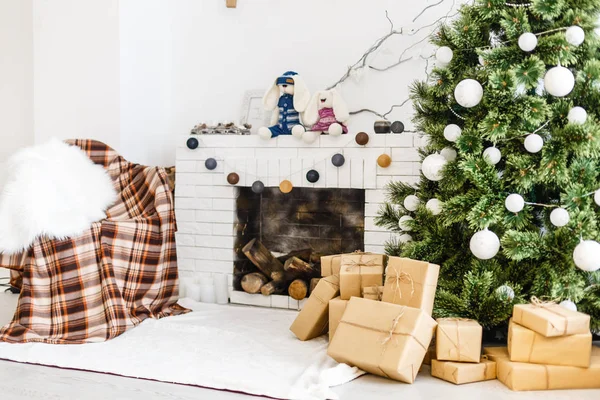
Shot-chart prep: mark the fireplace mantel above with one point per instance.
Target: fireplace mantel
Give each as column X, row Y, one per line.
column 205, row 202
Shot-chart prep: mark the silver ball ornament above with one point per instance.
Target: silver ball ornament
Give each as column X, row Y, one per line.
column 484, row 244
column 505, row 292
column 514, row 203
column 587, row 255
column 411, row 202
column 559, row 217
column 492, row 155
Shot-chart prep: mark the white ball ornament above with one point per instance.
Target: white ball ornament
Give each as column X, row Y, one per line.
column 575, row 35
column 448, row 153
column 568, row 304
column 514, row 202
column 527, row 41
column 559, row 217
column 597, row 197
column 577, row 115
column 468, row 93
column 492, row 155
column 402, row 223
column 452, row 132
column 533, row 143
column 484, row 244
column 434, row 206
column 559, row 81
column 411, row 202
column 505, row 292
column 432, row 167
column 587, row 255
column 444, row 55
column 405, row 238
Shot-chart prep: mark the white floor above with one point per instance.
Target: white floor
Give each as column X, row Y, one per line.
column 22, row 381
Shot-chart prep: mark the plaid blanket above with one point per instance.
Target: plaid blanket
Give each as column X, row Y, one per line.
column 121, row 271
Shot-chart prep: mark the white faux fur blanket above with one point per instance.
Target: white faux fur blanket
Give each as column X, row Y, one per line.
column 51, row 189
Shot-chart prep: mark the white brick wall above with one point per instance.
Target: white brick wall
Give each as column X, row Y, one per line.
column 205, row 202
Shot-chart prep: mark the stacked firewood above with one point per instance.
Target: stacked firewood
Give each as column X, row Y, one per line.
column 295, row 274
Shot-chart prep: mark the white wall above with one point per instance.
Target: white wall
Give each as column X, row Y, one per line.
column 138, row 73
column 16, row 73
column 76, row 70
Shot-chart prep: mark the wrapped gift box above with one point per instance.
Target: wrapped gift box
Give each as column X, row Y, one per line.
column 313, row 320
column 525, row 345
column 382, row 338
column 337, row 307
column 411, row 283
column 550, row 320
column 495, row 353
column 458, row 339
column 459, row 373
column 360, row 270
column 330, row 265
column 520, row 376
column 373, row 293
column 430, row 355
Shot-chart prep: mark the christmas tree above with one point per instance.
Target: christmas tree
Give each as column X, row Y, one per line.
column 507, row 202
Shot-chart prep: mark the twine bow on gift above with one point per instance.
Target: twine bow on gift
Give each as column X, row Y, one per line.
column 351, row 264
column 396, row 279
column 549, row 306
column 374, row 292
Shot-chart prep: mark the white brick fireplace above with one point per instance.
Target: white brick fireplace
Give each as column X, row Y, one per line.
column 205, row 202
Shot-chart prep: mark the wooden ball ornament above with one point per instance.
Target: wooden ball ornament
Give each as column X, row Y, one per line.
column 362, row 138
column 233, row 178
column 384, row 161
column 286, row 186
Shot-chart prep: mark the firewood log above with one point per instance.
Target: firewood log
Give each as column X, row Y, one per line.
column 305, row 254
column 262, row 257
column 274, row 287
column 298, row 289
column 296, row 268
column 251, row 283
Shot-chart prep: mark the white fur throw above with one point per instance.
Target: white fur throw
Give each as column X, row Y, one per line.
column 51, row 189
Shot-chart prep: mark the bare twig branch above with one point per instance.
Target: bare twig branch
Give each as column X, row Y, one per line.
column 426, row 8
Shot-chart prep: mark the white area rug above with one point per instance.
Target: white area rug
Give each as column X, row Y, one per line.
column 242, row 349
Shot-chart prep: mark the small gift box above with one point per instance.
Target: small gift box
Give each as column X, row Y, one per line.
column 360, row 270
column 330, row 265
column 313, row 320
column 525, row 345
column 382, row 338
column 337, row 307
column 373, row 293
column 459, row 373
column 549, row 319
column 411, row 283
column 458, row 339
column 520, row 376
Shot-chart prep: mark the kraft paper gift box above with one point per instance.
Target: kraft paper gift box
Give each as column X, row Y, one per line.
column 373, row 293
column 330, row 265
column 411, row 283
column 525, row 345
column 360, row 270
column 313, row 320
column 382, row 338
column 459, row 373
column 337, row 307
column 550, row 320
column 458, row 339
column 520, row 376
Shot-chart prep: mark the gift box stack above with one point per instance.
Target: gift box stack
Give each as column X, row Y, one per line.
column 549, row 347
column 382, row 326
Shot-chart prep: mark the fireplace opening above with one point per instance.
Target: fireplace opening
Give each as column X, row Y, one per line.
column 295, row 230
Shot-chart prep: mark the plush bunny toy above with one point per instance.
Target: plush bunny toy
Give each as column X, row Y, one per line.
column 327, row 112
column 288, row 97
